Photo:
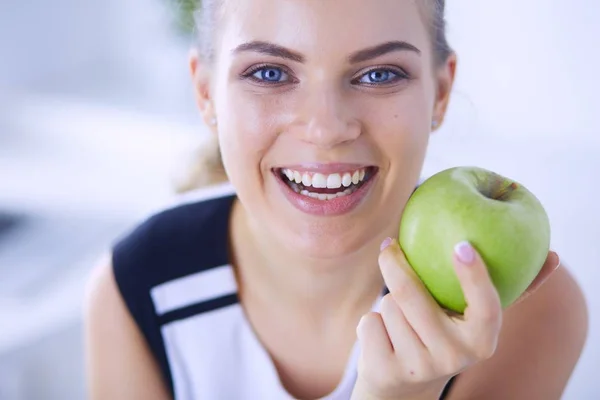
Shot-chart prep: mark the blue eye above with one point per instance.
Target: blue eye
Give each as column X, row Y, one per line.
column 270, row 74
column 378, row 76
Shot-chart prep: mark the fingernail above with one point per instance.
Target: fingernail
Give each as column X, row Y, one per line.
column 385, row 243
column 558, row 263
column 464, row 252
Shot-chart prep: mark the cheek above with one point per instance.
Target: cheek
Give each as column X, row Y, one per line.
column 400, row 126
column 248, row 127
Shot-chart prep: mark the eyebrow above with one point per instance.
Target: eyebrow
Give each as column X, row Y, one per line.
column 270, row 49
column 367, row 54
column 380, row 50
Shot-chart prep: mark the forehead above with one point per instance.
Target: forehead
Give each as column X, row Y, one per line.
column 323, row 27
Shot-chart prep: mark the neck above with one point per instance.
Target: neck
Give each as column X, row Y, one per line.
column 317, row 288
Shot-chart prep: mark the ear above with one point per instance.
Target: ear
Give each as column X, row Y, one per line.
column 444, row 76
column 201, row 80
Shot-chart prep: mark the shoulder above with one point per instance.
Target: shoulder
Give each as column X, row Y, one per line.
column 101, row 285
column 117, row 357
column 184, row 238
column 553, row 320
column 550, row 325
column 540, row 344
column 104, row 309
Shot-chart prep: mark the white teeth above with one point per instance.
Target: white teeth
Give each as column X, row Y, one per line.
column 347, row 180
column 306, row 180
column 319, row 181
column 326, row 196
column 334, row 181
column 289, row 174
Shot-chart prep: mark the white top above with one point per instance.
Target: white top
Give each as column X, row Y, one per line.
column 174, row 274
column 216, row 355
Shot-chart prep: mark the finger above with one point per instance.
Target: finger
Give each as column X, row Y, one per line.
column 550, row 266
column 376, row 347
column 418, row 306
column 552, row 263
column 407, row 345
column 483, row 315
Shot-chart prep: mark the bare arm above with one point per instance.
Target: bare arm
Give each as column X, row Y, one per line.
column 539, row 345
column 119, row 364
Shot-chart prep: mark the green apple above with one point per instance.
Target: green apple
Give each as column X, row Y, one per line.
column 502, row 219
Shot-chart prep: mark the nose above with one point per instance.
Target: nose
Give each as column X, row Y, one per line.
column 327, row 118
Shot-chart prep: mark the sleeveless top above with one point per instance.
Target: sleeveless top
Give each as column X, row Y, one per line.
column 173, row 272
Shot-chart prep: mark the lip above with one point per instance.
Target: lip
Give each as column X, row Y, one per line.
column 338, row 206
column 325, row 169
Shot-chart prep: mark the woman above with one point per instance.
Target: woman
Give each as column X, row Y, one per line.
column 275, row 287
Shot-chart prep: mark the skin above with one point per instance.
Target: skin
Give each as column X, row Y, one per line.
column 326, row 272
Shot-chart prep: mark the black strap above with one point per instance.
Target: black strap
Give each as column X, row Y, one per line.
column 171, row 244
column 446, row 390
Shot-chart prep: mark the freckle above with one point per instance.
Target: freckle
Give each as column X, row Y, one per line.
column 396, row 116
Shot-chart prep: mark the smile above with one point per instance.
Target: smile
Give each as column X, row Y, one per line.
column 328, row 190
column 325, row 187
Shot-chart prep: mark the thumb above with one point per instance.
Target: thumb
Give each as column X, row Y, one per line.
column 479, row 291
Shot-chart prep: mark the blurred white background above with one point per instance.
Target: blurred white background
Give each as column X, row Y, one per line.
column 96, row 114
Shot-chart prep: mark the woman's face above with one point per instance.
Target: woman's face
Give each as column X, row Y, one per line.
column 324, row 112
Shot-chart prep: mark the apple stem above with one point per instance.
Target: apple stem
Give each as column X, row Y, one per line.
column 502, row 191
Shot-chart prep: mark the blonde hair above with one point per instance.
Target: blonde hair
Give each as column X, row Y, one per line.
column 206, row 166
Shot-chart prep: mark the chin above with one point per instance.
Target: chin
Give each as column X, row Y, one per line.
column 327, row 240
column 331, row 237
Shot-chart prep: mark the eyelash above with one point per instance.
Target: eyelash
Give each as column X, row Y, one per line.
column 398, row 72
column 249, row 74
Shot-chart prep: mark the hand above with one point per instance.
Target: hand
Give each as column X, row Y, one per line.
column 412, row 347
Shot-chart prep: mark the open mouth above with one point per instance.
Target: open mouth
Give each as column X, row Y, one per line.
column 325, row 186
